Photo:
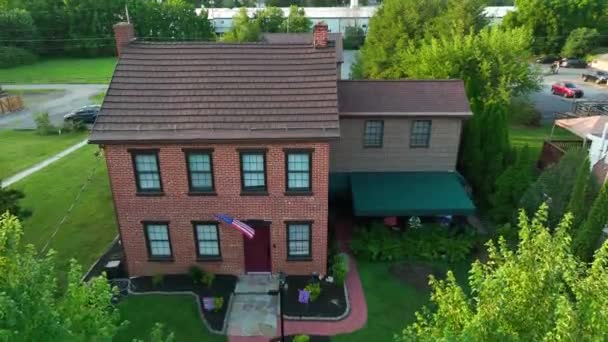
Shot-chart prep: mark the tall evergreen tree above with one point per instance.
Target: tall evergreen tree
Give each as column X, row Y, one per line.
column 586, row 238
column 580, row 199
column 243, row 28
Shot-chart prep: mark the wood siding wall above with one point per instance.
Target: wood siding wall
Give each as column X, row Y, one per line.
column 349, row 155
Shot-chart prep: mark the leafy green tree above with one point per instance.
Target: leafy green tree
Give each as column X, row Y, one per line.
column 243, row 29
column 9, row 201
column 511, row 185
column 18, row 29
column 354, row 37
column 586, row 239
column 270, row 19
column 32, row 308
column 580, row 42
column 583, row 194
column 296, row 21
column 461, row 17
column 552, row 20
column 539, row 292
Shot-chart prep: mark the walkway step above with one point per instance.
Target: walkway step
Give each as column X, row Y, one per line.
column 256, row 284
column 253, row 315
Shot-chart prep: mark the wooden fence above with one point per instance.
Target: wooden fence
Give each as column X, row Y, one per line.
column 10, row 104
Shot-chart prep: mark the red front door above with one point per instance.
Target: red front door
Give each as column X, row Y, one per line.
column 257, row 250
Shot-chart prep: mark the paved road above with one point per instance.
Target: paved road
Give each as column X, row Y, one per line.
column 548, row 103
column 73, row 97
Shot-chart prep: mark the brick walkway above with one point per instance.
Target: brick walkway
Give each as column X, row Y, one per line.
column 358, row 313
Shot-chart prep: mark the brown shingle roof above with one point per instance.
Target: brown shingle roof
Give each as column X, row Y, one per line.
column 403, row 97
column 304, row 38
column 216, row 91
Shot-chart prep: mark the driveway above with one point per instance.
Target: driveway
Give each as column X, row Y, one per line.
column 548, row 104
column 71, row 97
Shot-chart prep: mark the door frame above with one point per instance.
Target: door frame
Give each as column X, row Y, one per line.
column 258, row 224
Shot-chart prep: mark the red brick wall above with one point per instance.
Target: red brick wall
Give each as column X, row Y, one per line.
column 180, row 209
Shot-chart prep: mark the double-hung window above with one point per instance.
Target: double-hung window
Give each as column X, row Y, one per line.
column 373, row 133
column 147, row 171
column 298, row 240
column 157, row 239
column 298, row 167
column 207, row 240
column 200, row 170
column 421, row 133
column 253, row 171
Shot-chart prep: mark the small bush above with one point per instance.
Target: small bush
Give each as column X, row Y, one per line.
column 158, row 280
column 339, row 267
column 354, row 37
column 195, row 273
column 218, row 303
column 207, row 279
column 73, row 126
column 580, row 42
column 301, row 338
column 13, row 56
column 522, row 112
column 314, row 289
column 43, row 124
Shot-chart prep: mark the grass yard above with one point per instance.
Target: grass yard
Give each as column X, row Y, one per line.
column 90, row 227
column 61, row 70
column 98, row 98
column 22, row 149
column 178, row 313
column 535, row 136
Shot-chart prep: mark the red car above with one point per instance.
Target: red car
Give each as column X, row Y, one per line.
column 566, row 89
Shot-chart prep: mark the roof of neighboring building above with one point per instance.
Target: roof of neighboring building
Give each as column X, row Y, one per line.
column 311, row 12
column 582, row 127
column 403, row 97
column 217, row 91
column 304, row 38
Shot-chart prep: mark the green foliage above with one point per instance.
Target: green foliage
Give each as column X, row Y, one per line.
column 314, row 289
column 218, row 303
column 522, row 112
column 195, row 273
column 44, row 125
column 269, row 19
column 339, row 267
column 432, row 242
column 207, row 279
column 9, row 202
column 243, row 29
column 11, row 56
column 511, row 185
column 581, row 42
column 550, row 21
column 354, row 37
column 296, row 21
column 158, row 334
column 539, row 292
column 17, row 24
column 71, row 126
column 583, row 194
column 554, row 186
column 32, row 307
column 301, row 338
column 587, row 236
column 158, row 280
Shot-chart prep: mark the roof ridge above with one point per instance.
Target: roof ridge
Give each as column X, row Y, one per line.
column 420, row 80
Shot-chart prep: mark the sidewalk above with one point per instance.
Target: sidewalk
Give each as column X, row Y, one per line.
column 37, row 167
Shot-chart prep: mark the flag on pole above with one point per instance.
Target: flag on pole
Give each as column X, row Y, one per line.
column 245, row 229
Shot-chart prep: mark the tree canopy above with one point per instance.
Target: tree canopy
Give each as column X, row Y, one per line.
column 243, row 29
column 270, row 19
column 539, row 292
column 296, row 21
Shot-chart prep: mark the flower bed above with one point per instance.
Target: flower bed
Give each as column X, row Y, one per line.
column 331, row 302
column 222, row 287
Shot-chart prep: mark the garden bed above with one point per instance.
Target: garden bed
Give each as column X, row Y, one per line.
column 331, row 303
column 222, row 286
column 313, row 338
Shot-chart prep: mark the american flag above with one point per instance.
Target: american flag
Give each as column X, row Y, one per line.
column 245, row 229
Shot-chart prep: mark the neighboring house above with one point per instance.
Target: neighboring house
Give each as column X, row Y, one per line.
column 192, row 130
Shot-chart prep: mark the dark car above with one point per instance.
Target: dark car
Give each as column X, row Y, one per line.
column 547, row 59
column 596, row 76
column 566, row 89
column 572, row 63
column 86, row 114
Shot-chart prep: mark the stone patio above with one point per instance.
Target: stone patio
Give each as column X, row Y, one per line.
column 256, row 284
column 253, row 315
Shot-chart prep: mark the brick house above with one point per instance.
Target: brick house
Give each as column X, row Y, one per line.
column 255, row 131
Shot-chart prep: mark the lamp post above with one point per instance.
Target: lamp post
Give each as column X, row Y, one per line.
column 281, row 293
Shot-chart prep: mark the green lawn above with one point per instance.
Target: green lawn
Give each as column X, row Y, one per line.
column 62, row 70
column 98, row 98
column 535, row 136
column 90, row 227
column 22, row 149
column 178, row 313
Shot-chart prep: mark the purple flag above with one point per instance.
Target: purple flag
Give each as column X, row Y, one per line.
column 304, row 296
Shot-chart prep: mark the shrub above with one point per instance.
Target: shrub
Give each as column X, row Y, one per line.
column 414, row 222
column 13, row 56
column 580, row 42
column 43, row 124
column 207, row 279
column 587, row 236
column 158, row 280
column 195, row 273
column 301, row 338
column 339, row 267
column 218, row 303
column 18, row 24
column 522, row 112
column 354, row 37
column 314, row 289
column 73, row 126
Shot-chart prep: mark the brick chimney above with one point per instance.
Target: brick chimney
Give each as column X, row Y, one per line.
column 320, row 35
column 124, row 34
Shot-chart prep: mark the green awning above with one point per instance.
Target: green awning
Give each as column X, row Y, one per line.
column 409, row 193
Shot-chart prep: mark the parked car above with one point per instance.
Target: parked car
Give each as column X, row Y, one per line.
column 572, row 63
column 86, row 114
column 567, row 89
column 547, row 59
column 596, row 76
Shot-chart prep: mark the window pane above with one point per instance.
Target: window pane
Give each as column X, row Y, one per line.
column 298, row 248
column 201, row 180
column 298, row 180
column 421, row 133
column 298, row 162
column 208, row 243
column 160, row 248
column 253, row 179
column 298, row 232
column 157, row 232
column 199, row 162
column 253, row 162
column 149, row 181
column 146, row 162
column 206, row 232
column 373, row 133
column 158, row 239
column 208, row 248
